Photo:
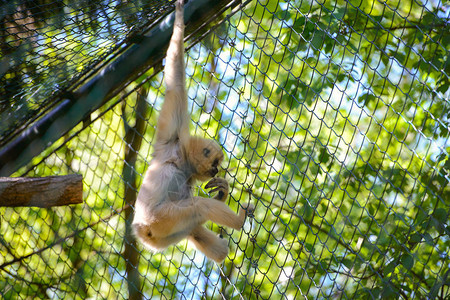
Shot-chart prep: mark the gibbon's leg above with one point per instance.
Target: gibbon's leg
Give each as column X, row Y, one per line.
column 154, row 242
column 173, row 122
column 175, row 222
column 209, row 243
column 220, row 186
column 196, row 211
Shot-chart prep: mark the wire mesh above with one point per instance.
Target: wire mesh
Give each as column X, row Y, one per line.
column 49, row 47
column 334, row 117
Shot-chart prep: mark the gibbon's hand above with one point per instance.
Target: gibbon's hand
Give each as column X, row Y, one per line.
column 219, row 185
column 249, row 210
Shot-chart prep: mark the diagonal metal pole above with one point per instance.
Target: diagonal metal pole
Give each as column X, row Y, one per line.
column 89, row 97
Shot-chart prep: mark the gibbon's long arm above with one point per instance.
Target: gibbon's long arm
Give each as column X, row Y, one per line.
column 173, row 122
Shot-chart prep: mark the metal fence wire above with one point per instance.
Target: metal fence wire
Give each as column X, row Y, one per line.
column 334, row 119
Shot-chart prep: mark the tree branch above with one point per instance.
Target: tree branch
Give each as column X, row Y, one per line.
column 41, row 191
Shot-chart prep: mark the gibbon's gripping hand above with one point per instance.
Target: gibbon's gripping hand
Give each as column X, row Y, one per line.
column 219, row 185
column 249, row 210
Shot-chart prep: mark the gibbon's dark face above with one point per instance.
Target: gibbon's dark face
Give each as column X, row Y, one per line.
column 206, row 156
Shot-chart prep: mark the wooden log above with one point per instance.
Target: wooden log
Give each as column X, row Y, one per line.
column 41, row 191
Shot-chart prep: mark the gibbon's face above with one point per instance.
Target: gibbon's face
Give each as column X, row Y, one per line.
column 206, row 156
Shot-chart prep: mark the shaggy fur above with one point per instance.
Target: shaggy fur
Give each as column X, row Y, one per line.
column 166, row 211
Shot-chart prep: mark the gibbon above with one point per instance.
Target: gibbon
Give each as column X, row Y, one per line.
column 166, row 210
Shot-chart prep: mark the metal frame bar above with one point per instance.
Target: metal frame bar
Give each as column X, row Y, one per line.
column 138, row 58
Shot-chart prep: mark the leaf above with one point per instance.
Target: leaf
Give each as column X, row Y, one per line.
column 407, row 261
column 340, row 13
column 383, row 239
column 299, row 23
column 441, row 156
column 435, row 289
column 428, row 239
column 366, row 98
column 317, row 39
column 420, row 217
column 348, row 263
column 324, row 156
column 307, row 212
column 415, row 237
column 309, row 248
column 389, row 291
column 440, row 215
column 389, row 268
column 322, row 267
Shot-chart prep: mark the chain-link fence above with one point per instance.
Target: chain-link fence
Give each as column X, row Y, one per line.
column 334, row 118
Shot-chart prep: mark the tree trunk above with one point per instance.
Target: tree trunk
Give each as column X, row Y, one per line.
column 133, row 140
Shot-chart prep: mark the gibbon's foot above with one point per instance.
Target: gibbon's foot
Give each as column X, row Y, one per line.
column 210, row 244
column 219, row 185
column 181, row 2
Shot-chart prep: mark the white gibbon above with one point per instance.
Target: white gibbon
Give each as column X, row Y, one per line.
column 166, row 210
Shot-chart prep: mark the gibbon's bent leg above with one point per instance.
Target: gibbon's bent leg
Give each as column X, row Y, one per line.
column 200, row 210
column 209, row 243
column 173, row 122
column 174, row 222
column 157, row 243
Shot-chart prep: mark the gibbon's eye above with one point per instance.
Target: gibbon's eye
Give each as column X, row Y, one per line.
column 206, row 152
